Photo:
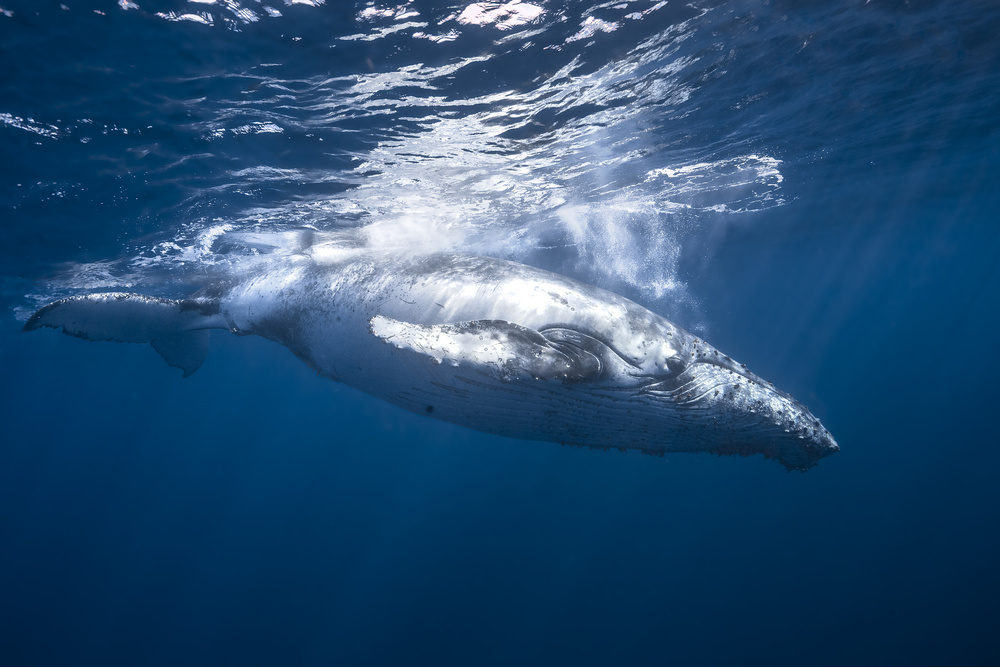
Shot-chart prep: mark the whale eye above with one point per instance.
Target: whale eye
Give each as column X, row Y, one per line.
column 674, row 365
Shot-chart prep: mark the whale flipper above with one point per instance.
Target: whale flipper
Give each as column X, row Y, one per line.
column 178, row 330
column 501, row 349
column 185, row 350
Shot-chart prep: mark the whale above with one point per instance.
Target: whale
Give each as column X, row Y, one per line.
column 482, row 342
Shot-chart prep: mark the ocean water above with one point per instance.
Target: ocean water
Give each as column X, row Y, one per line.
column 812, row 186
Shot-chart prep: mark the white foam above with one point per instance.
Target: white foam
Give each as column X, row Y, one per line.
column 29, row 125
column 590, row 27
column 502, row 16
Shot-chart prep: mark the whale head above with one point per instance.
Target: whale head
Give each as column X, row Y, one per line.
column 720, row 403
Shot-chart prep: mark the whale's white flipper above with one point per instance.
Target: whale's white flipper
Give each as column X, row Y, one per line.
column 503, row 350
column 178, row 330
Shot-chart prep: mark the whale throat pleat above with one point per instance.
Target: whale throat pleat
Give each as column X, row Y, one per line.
column 178, row 330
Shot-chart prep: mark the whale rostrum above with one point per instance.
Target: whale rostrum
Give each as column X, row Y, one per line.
column 485, row 343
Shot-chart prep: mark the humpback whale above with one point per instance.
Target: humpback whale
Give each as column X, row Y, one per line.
column 482, row 342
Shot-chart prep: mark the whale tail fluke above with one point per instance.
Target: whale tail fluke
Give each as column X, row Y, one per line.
column 177, row 329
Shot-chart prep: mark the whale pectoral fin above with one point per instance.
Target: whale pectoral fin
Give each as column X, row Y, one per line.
column 178, row 330
column 498, row 348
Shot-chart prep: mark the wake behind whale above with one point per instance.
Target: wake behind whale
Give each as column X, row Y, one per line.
column 486, row 343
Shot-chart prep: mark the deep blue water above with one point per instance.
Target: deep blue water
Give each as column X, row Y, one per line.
column 811, row 185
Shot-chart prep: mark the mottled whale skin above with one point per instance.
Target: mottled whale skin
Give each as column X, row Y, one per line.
column 489, row 344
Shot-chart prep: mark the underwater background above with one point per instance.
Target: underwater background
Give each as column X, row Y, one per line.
column 812, row 186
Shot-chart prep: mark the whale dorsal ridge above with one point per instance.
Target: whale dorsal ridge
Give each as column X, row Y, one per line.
column 178, row 330
column 502, row 349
